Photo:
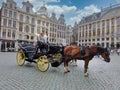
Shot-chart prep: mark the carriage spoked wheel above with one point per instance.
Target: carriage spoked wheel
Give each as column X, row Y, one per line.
column 20, row 58
column 58, row 57
column 42, row 63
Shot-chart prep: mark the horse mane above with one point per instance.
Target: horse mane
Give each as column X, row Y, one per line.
column 100, row 49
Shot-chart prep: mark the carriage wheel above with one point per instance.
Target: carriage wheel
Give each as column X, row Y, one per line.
column 20, row 58
column 42, row 63
column 58, row 57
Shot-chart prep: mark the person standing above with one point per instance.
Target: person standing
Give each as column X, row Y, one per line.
column 118, row 51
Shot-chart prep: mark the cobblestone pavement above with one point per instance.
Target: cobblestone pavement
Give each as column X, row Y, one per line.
column 102, row 75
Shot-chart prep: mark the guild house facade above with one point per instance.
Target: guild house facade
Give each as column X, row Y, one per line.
column 21, row 25
column 101, row 28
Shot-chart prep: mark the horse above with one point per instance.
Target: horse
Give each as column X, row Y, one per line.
column 84, row 53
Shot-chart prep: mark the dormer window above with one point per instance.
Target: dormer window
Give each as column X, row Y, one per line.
column 11, row 5
column 27, row 9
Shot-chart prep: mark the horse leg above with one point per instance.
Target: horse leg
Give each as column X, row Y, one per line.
column 86, row 68
column 66, row 66
column 75, row 62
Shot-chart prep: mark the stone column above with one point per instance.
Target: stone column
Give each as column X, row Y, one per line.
column 16, row 46
column 6, row 46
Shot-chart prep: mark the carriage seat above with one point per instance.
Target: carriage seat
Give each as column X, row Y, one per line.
column 28, row 47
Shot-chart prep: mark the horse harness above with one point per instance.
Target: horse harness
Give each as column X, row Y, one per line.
column 82, row 52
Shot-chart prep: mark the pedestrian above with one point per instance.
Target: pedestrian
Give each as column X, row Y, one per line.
column 118, row 51
column 112, row 51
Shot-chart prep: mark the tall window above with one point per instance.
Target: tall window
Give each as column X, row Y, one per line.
column 5, row 12
column 113, row 21
column 38, row 30
column 32, row 29
column 11, row 6
column 10, row 14
column 13, row 34
column 27, row 29
column 43, row 23
column 9, row 33
column 5, row 22
column 4, row 33
column 103, row 23
column 118, row 20
column 98, row 24
column 38, row 22
column 15, row 15
column 108, row 23
column 47, row 24
column 14, row 23
column 108, row 27
column 118, row 30
column 27, row 19
column 27, row 9
column 33, row 21
column 94, row 32
column 20, row 27
column 21, row 17
column 10, row 23
column 98, row 32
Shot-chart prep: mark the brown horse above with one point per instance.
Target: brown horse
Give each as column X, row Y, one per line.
column 84, row 53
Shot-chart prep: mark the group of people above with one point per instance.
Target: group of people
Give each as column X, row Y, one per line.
column 117, row 51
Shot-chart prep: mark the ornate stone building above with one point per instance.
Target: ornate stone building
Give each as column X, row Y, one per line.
column 101, row 28
column 21, row 25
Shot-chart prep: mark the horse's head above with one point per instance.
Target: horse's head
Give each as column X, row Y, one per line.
column 105, row 53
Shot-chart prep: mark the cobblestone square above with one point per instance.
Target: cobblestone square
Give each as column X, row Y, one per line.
column 102, row 75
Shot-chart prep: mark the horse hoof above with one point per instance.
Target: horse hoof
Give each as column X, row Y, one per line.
column 65, row 72
column 86, row 74
column 76, row 65
column 68, row 71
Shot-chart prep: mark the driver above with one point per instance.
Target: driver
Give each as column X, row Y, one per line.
column 42, row 41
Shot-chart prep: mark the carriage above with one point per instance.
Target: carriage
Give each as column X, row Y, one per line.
column 29, row 53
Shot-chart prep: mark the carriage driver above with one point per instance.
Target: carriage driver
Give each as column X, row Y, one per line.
column 42, row 41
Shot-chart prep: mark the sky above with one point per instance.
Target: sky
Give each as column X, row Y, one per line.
column 73, row 10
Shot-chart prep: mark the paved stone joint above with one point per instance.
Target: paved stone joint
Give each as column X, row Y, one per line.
column 102, row 75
